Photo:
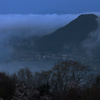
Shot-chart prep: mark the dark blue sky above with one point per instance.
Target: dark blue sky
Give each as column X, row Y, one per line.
column 48, row 6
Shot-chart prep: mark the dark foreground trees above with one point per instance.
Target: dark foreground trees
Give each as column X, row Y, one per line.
column 65, row 81
column 7, row 86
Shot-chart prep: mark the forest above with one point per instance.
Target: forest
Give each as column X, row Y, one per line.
column 67, row 80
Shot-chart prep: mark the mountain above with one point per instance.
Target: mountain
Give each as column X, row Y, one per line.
column 77, row 38
column 68, row 36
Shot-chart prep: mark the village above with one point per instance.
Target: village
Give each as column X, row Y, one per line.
column 31, row 56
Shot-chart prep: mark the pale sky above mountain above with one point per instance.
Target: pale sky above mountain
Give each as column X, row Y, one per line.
column 48, row 6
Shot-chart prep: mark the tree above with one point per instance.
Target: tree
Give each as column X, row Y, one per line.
column 66, row 72
column 25, row 76
column 7, row 86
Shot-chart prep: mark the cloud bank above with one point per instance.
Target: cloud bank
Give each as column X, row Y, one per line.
column 25, row 26
column 33, row 24
column 92, row 43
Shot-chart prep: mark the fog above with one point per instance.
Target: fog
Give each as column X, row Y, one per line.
column 28, row 25
column 92, row 43
column 34, row 66
column 25, row 26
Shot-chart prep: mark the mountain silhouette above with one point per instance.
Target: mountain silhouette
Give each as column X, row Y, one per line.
column 68, row 36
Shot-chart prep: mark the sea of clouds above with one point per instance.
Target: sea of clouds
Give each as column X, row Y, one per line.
column 25, row 26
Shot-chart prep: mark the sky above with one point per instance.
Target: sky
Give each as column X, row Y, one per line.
column 48, row 6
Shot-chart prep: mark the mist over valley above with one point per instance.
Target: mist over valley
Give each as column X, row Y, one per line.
column 48, row 38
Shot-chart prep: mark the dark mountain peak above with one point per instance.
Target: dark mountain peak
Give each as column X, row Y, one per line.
column 83, row 16
column 82, row 22
column 73, row 33
column 86, row 22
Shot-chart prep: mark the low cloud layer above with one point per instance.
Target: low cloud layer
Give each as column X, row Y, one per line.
column 33, row 24
column 38, row 25
column 26, row 26
column 92, row 43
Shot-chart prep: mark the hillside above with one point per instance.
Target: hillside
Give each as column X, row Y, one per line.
column 68, row 36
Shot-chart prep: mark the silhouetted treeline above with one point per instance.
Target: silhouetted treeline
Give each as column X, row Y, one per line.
column 68, row 80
